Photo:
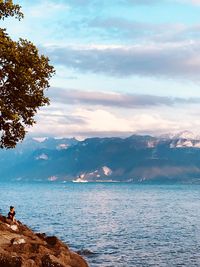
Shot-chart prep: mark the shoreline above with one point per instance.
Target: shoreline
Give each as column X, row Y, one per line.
column 21, row 247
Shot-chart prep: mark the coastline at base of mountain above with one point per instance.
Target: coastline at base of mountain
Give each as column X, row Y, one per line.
column 137, row 159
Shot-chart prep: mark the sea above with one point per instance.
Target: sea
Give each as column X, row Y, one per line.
column 113, row 224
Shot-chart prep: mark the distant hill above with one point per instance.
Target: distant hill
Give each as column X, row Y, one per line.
column 169, row 158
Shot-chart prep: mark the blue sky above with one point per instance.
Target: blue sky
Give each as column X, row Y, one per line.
column 122, row 66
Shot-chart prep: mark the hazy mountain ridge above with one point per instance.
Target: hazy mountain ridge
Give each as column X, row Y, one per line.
column 133, row 159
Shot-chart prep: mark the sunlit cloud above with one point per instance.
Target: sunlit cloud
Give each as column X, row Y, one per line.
column 81, row 114
column 85, row 122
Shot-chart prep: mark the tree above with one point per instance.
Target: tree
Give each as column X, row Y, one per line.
column 24, row 76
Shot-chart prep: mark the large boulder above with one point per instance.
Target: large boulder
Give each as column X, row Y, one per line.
column 21, row 247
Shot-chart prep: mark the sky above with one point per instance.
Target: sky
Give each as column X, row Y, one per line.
column 122, row 66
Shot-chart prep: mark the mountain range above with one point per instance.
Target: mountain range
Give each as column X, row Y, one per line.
column 138, row 158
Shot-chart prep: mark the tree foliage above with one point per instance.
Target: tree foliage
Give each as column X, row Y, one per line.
column 24, row 76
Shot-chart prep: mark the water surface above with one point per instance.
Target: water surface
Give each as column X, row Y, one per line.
column 124, row 225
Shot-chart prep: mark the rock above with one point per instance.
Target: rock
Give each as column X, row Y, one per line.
column 18, row 241
column 76, row 261
column 52, row 240
column 51, row 261
column 14, row 227
column 7, row 237
column 21, row 247
column 10, row 261
column 29, row 263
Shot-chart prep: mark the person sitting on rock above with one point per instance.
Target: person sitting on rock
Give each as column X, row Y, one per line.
column 11, row 215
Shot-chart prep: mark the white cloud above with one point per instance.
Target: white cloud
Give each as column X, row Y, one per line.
column 102, row 122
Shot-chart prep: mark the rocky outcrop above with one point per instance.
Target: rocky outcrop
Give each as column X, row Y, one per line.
column 21, row 247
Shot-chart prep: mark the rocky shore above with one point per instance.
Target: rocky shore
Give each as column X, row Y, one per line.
column 21, row 247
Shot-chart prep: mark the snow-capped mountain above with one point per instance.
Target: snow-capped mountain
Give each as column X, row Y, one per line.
column 136, row 158
column 182, row 139
column 187, row 135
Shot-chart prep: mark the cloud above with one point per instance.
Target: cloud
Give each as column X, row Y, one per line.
column 168, row 60
column 62, row 118
column 113, row 99
column 118, row 27
column 101, row 122
column 88, row 114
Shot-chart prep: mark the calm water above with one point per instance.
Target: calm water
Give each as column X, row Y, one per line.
column 122, row 224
